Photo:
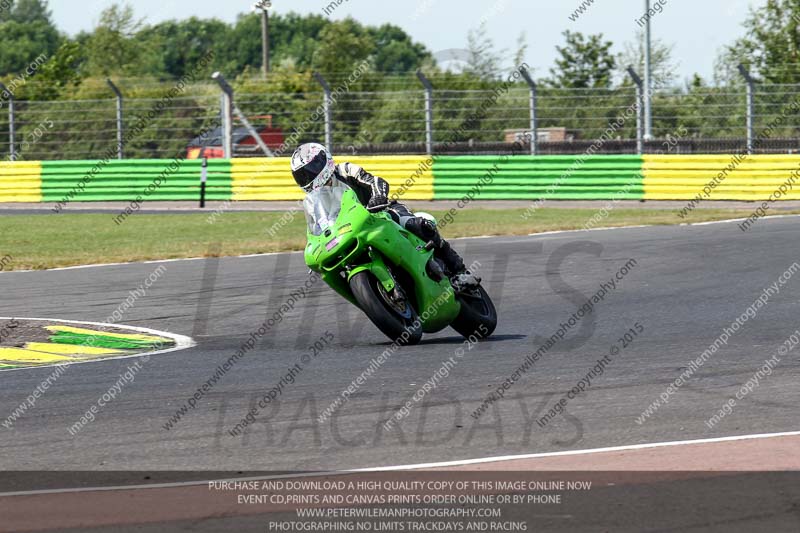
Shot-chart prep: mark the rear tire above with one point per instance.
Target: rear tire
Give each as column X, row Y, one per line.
column 478, row 317
column 404, row 329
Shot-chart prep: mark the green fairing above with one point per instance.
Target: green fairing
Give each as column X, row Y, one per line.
column 371, row 242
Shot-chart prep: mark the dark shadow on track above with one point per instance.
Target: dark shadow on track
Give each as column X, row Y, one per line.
column 459, row 340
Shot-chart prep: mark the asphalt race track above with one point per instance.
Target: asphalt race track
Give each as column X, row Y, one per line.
column 688, row 283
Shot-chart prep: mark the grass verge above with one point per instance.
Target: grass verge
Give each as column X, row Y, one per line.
column 50, row 241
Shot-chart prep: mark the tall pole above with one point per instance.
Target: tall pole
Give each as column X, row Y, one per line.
column 648, row 81
column 263, row 6
column 265, row 40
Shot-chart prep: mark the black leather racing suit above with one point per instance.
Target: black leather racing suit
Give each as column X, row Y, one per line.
column 366, row 186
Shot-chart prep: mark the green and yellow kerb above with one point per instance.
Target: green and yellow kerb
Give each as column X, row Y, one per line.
column 32, row 343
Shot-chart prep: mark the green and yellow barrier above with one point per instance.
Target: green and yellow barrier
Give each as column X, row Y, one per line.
column 21, row 182
column 451, row 177
column 574, row 177
column 124, row 180
column 743, row 177
column 535, row 177
column 263, row 179
column 271, row 179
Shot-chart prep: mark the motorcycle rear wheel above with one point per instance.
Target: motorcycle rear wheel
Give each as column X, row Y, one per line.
column 478, row 317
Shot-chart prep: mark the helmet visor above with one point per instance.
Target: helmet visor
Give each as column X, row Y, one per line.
column 305, row 175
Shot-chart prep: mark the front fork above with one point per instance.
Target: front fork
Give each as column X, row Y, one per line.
column 379, row 269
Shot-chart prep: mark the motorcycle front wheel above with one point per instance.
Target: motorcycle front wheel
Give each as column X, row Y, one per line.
column 398, row 321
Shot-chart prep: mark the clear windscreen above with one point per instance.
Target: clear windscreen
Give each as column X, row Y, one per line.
column 322, row 206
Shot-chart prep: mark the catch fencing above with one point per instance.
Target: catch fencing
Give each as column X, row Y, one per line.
column 400, row 115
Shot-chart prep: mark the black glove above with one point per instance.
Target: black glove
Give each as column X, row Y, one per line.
column 377, row 200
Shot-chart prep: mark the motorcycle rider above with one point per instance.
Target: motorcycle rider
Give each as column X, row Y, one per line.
column 313, row 167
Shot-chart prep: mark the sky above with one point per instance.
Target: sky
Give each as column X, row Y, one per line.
column 698, row 29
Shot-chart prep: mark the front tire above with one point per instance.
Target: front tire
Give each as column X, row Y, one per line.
column 401, row 326
column 478, row 317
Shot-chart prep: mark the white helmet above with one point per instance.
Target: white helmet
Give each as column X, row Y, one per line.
column 312, row 166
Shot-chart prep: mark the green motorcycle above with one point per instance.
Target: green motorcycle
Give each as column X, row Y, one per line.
column 387, row 271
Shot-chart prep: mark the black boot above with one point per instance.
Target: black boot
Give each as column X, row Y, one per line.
column 452, row 261
column 460, row 277
column 426, row 230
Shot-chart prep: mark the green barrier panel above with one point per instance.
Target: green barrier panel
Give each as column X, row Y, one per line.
column 576, row 177
column 125, row 180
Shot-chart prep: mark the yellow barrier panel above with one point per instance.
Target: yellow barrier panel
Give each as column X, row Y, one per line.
column 271, row 178
column 263, row 179
column 21, row 181
column 743, row 177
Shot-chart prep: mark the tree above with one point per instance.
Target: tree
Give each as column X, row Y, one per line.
column 663, row 67
column 30, row 11
column 180, row 45
column 294, row 38
column 584, row 62
column 395, row 51
column 342, row 46
column 306, row 42
column 771, row 47
column 484, row 61
column 113, row 48
column 28, row 33
column 61, row 71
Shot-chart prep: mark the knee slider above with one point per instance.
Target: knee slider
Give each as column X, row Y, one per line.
column 421, row 227
column 428, row 228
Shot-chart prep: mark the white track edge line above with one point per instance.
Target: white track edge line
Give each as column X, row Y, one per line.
column 556, row 232
column 445, row 464
column 737, row 220
column 709, row 223
column 151, row 262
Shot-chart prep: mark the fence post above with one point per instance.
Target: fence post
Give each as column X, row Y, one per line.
column 750, row 81
column 327, row 106
column 203, row 178
column 639, row 110
column 259, row 141
column 647, row 92
column 534, row 123
column 118, row 93
column 428, row 111
column 227, row 114
column 12, row 148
